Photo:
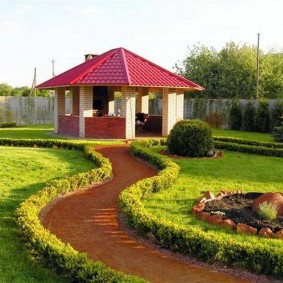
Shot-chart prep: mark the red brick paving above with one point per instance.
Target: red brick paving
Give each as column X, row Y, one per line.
column 88, row 220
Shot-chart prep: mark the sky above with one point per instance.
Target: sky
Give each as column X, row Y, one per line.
column 35, row 31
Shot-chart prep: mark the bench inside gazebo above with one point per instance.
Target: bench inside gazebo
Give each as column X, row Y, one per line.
column 92, row 86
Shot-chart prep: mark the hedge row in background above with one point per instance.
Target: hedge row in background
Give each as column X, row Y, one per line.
column 247, row 147
column 8, row 125
column 75, row 266
column 261, row 257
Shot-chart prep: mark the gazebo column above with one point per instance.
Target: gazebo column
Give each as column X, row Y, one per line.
column 128, row 108
column 169, row 111
column 59, row 107
column 179, row 106
column 142, row 100
column 75, row 101
column 86, row 105
column 111, row 100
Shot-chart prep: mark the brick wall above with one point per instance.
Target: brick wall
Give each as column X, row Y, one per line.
column 69, row 125
column 105, row 127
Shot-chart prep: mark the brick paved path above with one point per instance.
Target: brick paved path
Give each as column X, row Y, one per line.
column 88, row 221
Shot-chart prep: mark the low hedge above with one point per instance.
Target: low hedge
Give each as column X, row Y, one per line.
column 259, row 256
column 248, row 142
column 75, row 266
column 260, row 150
column 8, row 125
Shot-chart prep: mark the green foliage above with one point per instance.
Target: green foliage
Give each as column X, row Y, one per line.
column 5, row 89
column 235, row 116
column 262, row 118
column 8, row 125
column 278, row 134
column 231, row 72
column 267, row 211
column 277, row 113
column 74, row 265
column 249, row 117
column 190, row 138
column 253, row 149
column 192, row 239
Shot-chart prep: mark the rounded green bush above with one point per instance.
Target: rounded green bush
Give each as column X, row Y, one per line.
column 190, row 138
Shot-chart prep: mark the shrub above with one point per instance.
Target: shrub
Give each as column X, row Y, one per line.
column 262, row 118
column 235, row 116
column 267, row 211
column 249, row 117
column 8, row 125
column 278, row 134
column 215, row 119
column 190, row 138
column 276, row 114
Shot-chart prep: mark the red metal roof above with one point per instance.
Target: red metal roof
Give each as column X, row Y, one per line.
column 119, row 67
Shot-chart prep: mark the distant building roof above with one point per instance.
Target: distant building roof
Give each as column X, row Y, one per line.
column 119, row 67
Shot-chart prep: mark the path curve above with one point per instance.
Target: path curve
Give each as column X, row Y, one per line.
column 88, row 220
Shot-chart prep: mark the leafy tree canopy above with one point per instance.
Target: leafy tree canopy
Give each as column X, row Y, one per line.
column 231, row 72
column 7, row 90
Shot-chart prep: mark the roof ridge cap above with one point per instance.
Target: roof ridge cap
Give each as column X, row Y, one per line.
column 125, row 65
column 111, row 52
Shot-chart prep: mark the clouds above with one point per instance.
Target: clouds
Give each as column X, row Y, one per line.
column 82, row 10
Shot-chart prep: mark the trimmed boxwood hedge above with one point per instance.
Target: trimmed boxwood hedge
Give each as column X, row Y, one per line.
column 259, row 256
column 73, row 265
column 247, row 146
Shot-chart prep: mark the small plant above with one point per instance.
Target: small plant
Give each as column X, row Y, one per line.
column 267, row 211
column 262, row 118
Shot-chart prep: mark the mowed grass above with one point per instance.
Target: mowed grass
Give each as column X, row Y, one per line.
column 23, row 172
column 252, row 173
column 261, row 137
column 28, row 132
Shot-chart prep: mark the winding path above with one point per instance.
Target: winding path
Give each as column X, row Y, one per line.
column 88, row 220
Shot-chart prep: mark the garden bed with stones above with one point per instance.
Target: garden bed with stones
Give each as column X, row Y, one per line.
column 234, row 211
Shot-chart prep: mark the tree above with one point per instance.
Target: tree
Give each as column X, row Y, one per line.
column 235, row 116
column 249, row 117
column 5, row 89
column 231, row 72
column 262, row 118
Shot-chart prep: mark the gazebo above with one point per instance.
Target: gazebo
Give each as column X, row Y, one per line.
column 93, row 83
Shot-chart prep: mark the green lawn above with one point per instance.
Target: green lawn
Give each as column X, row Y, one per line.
column 261, row 137
column 28, row 132
column 23, row 172
column 233, row 171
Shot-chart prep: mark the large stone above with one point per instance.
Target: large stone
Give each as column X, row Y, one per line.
column 198, row 208
column 228, row 223
column 273, row 198
column 246, row 229
column 202, row 215
column 266, row 232
column 214, row 219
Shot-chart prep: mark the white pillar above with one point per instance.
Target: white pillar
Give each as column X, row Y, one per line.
column 169, row 111
column 128, row 108
column 179, row 107
column 142, row 100
column 86, row 105
column 59, row 107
